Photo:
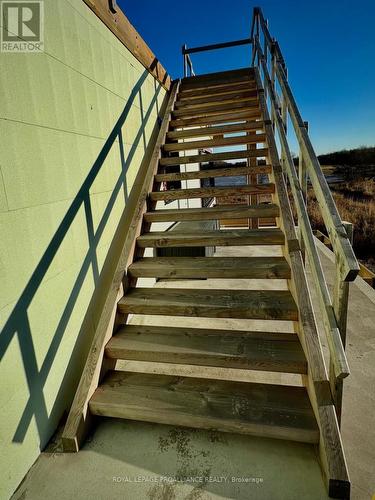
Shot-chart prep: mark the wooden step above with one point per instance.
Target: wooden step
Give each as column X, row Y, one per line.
column 236, row 116
column 216, row 142
column 232, row 171
column 181, row 194
column 211, row 267
column 215, row 109
column 266, row 410
column 263, row 210
column 220, row 77
column 249, row 304
column 194, row 346
column 217, row 90
column 211, row 157
column 228, row 237
column 232, row 97
column 216, row 130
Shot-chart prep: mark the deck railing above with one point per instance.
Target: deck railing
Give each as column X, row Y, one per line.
column 268, row 59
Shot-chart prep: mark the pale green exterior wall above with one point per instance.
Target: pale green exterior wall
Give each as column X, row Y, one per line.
column 56, row 110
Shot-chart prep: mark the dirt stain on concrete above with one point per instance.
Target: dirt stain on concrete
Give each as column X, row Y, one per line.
column 165, row 491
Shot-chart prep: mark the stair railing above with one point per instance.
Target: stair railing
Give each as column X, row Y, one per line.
column 186, row 52
column 267, row 56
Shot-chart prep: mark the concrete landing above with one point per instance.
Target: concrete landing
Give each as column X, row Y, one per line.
column 135, row 460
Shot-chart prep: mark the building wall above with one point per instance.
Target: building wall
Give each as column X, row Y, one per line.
column 57, row 109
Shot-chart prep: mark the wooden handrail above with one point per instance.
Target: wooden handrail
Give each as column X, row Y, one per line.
column 347, row 262
column 186, row 52
column 334, row 312
column 330, row 448
column 337, row 352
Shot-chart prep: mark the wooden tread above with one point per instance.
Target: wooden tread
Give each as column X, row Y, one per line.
column 220, row 77
column 230, row 171
column 236, row 116
column 228, row 349
column 232, row 97
column 266, row 410
column 211, row 157
column 216, row 130
column 215, row 142
column 263, row 210
column 228, row 237
column 217, row 89
column 215, row 108
column 210, row 192
column 210, row 267
column 216, row 92
column 249, row 304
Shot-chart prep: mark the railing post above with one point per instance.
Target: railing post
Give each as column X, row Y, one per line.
column 273, row 81
column 340, row 306
column 184, row 55
column 302, row 174
column 265, row 53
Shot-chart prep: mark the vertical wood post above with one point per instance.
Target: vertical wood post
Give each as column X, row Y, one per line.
column 284, row 108
column 302, row 174
column 184, row 47
column 273, row 81
column 265, row 53
column 340, row 306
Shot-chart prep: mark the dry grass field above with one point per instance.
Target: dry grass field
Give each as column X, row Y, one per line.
column 355, row 201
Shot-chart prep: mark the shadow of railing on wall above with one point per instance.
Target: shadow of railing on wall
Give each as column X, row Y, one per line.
column 18, row 322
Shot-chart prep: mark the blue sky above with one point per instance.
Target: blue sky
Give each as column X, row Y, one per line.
column 329, row 48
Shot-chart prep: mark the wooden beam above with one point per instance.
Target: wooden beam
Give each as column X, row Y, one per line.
column 120, row 26
column 215, row 46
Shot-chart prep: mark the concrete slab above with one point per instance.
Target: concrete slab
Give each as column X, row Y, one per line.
column 135, row 460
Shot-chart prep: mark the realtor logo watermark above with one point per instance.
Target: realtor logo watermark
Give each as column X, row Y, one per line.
column 22, row 28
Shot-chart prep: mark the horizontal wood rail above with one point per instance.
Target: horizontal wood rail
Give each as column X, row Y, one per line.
column 186, row 52
column 215, row 46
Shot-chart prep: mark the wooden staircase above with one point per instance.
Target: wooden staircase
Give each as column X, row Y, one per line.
column 201, row 114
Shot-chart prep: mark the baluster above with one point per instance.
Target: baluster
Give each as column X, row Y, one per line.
column 340, row 306
column 302, row 174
